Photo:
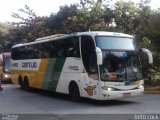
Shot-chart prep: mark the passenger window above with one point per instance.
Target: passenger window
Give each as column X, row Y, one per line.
column 72, row 47
column 89, row 56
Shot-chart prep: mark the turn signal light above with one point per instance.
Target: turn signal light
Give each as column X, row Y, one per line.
column 114, row 76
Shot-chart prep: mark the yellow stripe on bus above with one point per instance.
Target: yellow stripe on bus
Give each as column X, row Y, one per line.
column 35, row 78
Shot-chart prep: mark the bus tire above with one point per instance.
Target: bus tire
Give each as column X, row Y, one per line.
column 74, row 92
column 21, row 82
column 26, row 84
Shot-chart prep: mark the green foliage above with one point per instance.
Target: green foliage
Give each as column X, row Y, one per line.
column 29, row 17
column 4, row 32
column 91, row 15
column 63, row 21
column 126, row 17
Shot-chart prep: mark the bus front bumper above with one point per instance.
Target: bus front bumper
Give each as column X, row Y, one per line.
column 110, row 95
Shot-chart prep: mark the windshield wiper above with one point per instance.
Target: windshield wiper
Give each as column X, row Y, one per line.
column 133, row 72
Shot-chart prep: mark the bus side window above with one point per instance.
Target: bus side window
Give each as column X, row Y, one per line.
column 61, row 48
column 35, row 52
column 89, row 56
column 22, row 52
column 29, row 54
column 15, row 54
column 76, row 47
column 72, row 47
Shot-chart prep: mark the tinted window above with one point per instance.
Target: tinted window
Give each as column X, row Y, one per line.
column 88, row 54
column 68, row 47
column 72, row 47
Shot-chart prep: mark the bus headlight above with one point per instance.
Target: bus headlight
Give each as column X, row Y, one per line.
column 140, row 87
column 6, row 76
column 107, row 88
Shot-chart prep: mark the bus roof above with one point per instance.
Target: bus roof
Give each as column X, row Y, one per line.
column 50, row 37
column 90, row 33
column 103, row 33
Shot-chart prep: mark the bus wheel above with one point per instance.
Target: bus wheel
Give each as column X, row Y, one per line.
column 26, row 84
column 74, row 92
column 21, row 83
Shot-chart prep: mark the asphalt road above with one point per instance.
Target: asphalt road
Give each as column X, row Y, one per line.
column 15, row 101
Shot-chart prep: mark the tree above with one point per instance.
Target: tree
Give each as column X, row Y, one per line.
column 63, row 21
column 4, row 32
column 31, row 26
column 126, row 17
column 93, row 15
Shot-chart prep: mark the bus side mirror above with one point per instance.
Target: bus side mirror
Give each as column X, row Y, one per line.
column 99, row 56
column 149, row 54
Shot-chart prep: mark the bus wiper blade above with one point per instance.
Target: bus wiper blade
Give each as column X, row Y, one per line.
column 133, row 72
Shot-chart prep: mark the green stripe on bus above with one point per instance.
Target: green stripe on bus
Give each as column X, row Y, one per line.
column 56, row 73
column 48, row 73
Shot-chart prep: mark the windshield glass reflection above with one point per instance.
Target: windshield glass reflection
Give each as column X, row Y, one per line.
column 121, row 66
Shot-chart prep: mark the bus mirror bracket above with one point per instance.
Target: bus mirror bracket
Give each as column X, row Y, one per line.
column 149, row 54
column 99, row 56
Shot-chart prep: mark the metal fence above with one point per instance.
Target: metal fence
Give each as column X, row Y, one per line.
column 152, row 86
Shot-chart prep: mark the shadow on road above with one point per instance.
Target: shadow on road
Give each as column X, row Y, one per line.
column 83, row 100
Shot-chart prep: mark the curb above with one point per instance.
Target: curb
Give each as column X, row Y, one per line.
column 152, row 92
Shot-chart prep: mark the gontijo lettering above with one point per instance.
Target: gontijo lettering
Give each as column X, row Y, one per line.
column 29, row 64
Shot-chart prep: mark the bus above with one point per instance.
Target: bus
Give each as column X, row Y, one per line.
column 98, row 65
column 5, row 67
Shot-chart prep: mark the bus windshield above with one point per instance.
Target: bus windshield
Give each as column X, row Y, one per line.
column 120, row 58
column 120, row 43
column 121, row 65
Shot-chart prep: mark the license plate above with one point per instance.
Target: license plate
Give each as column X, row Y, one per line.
column 126, row 94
